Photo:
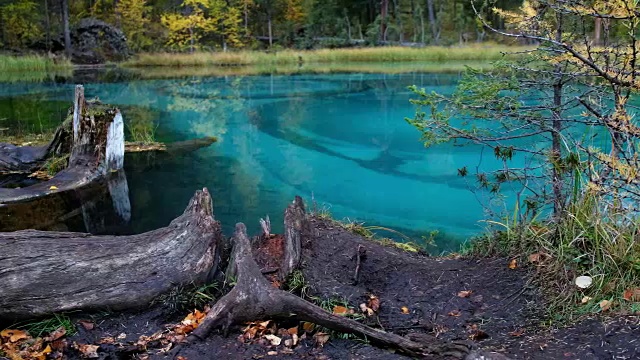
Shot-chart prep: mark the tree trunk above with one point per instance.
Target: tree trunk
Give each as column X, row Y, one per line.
column 384, row 10
column 47, row 272
column 556, row 135
column 67, row 32
column 270, row 30
column 432, row 21
column 597, row 31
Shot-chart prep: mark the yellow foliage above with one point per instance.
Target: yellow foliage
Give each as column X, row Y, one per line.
column 207, row 18
column 294, row 11
column 133, row 20
column 20, row 23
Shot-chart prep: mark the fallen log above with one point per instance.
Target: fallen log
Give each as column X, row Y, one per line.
column 47, row 272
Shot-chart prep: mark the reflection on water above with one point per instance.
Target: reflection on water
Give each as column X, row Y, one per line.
column 339, row 138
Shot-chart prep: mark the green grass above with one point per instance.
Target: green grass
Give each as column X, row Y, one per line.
column 35, row 63
column 48, row 325
column 189, row 297
column 438, row 54
column 587, row 240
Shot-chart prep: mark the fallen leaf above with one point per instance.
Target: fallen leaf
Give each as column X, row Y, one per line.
column 586, row 299
column 87, row 351
column 513, row 264
column 275, row 341
column 14, row 335
column 605, row 305
column 583, row 282
column 86, row 324
column 535, row 257
column 366, row 310
column 340, row 310
column 108, row 340
column 53, row 187
column 181, row 358
column 404, row 309
column 42, row 355
column 517, row 333
column 631, row 294
column 454, row 313
column 465, row 293
column 272, row 353
column 307, row 326
column 321, row 338
column 57, row 334
column 374, row 303
column 293, row 330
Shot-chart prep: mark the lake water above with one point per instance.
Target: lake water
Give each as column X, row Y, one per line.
column 339, row 139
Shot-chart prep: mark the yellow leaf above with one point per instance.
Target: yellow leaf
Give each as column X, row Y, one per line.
column 513, row 264
column 14, row 335
column 53, row 187
column 307, row 326
column 42, row 355
column 404, row 309
column 465, row 293
column 585, row 299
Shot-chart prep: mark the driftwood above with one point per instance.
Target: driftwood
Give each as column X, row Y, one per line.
column 46, row 272
column 98, row 148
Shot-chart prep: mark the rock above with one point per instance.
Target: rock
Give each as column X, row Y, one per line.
column 95, row 42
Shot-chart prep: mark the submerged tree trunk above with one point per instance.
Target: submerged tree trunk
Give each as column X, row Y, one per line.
column 47, row 272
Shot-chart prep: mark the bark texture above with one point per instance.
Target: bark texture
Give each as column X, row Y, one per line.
column 46, row 272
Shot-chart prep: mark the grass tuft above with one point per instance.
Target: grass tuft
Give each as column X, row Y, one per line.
column 589, row 239
column 45, row 326
column 32, row 63
column 188, row 297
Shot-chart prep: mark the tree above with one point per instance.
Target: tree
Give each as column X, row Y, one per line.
column 565, row 96
column 67, row 32
column 20, row 23
column 134, row 20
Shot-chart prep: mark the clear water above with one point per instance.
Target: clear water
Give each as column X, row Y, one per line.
column 340, row 139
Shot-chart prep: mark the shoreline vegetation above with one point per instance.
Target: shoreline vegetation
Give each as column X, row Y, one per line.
column 429, row 54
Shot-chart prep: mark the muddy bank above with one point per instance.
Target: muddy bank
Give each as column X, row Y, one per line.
column 479, row 300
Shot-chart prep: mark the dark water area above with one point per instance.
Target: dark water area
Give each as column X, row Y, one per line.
column 338, row 140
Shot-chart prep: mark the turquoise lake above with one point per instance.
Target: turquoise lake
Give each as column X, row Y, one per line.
column 338, row 140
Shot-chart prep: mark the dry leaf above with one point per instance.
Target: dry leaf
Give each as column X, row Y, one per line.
column 275, row 341
column 321, row 338
column 374, row 303
column 631, row 294
column 605, row 305
column 513, row 264
column 57, row 334
column 340, row 310
column 86, row 324
column 14, row 335
column 272, row 353
column 293, row 330
column 108, row 340
column 42, row 355
column 454, row 313
column 53, row 187
column 366, row 310
column 87, row 351
column 535, row 257
column 465, row 293
column 404, row 309
column 308, row 326
column 517, row 333
column 585, row 299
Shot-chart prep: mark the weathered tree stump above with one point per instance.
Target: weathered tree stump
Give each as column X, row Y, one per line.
column 98, row 148
column 47, row 272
